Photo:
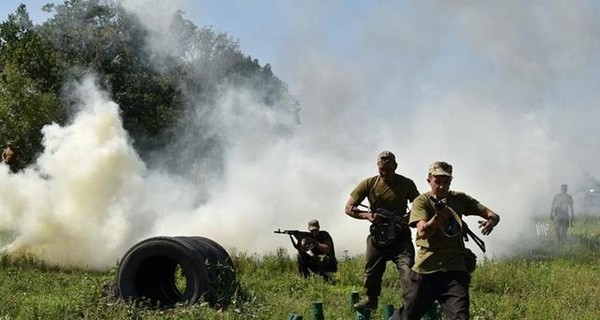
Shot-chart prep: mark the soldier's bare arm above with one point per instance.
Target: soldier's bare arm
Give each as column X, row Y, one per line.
column 352, row 210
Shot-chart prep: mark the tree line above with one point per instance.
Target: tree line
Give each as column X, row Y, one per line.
column 101, row 37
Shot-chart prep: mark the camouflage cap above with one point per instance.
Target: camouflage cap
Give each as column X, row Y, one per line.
column 313, row 225
column 440, row 168
column 386, row 157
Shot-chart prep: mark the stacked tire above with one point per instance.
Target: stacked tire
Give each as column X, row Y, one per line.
column 148, row 272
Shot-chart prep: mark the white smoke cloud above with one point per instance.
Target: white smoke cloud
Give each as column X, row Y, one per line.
column 74, row 207
column 504, row 92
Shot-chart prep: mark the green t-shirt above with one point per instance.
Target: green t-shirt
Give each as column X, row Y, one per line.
column 439, row 252
column 391, row 195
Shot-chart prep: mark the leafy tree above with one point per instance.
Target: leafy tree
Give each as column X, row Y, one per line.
column 29, row 82
column 203, row 63
column 157, row 90
column 101, row 37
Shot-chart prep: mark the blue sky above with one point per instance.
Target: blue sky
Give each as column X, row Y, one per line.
column 260, row 26
column 273, row 32
column 224, row 16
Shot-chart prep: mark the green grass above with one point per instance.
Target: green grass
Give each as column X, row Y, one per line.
column 543, row 282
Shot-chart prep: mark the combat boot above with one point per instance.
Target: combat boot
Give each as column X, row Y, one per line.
column 367, row 303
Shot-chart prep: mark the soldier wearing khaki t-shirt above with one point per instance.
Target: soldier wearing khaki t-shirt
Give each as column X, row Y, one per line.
column 391, row 192
column 440, row 272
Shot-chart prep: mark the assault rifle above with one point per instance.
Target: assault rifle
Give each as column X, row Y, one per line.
column 454, row 227
column 389, row 215
column 299, row 235
column 387, row 227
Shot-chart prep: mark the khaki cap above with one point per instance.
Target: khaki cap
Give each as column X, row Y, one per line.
column 440, row 168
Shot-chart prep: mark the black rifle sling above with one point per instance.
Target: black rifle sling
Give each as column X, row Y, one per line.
column 467, row 232
column 295, row 244
column 475, row 238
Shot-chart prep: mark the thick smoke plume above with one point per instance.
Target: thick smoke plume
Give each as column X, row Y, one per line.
column 507, row 93
column 75, row 206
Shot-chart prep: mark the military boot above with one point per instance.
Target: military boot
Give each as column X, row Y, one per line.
column 367, row 303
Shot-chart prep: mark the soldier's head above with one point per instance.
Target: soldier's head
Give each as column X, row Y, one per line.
column 313, row 226
column 563, row 188
column 386, row 164
column 440, row 178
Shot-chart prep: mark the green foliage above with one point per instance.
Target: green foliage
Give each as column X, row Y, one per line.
column 560, row 283
column 100, row 37
column 159, row 91
column 551, row 289
column 29, row 82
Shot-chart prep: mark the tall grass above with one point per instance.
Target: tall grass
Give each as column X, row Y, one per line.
column 542, row 282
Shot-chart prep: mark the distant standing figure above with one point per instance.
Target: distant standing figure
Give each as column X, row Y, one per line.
column 562, row 206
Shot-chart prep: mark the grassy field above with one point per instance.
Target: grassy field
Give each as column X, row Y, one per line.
column 543, row 282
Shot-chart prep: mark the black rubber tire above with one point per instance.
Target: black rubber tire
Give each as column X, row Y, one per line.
column 147, row 272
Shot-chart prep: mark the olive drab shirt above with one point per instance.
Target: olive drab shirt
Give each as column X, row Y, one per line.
column 391, row 195
column 440, row 252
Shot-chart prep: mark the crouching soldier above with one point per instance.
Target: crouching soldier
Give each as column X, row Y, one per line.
column 316, row 252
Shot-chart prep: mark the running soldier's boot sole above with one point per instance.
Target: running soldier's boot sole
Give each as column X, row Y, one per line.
column 367, row 303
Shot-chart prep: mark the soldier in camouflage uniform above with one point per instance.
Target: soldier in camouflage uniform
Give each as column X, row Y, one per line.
column 316, row 253
column 440, row 272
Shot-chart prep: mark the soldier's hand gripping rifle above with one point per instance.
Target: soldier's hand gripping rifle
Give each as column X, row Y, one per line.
column 299, row 235
column 386, row 227
column 454, row 227
column 385, row 215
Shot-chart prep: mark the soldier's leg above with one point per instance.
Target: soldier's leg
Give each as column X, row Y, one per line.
column 560, row 233
column 404, row 259
column 565, row 227
column 424, row 290
column 374, row 269
column 454, row 298
column 557, row 231
column 323, row 268
column 302, row 260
